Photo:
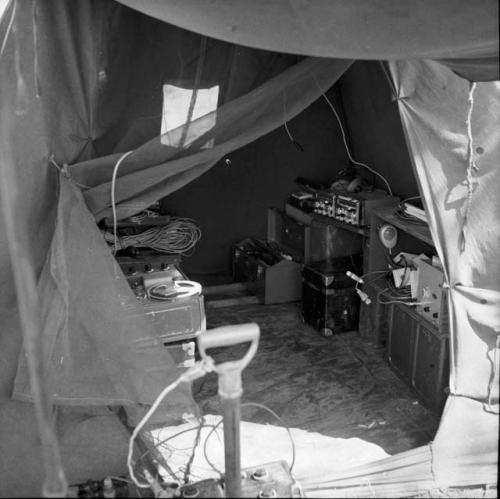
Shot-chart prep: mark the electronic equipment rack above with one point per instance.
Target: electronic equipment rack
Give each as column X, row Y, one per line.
column 416, row 346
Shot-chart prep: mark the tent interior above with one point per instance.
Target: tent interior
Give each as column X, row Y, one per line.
column 213, row 114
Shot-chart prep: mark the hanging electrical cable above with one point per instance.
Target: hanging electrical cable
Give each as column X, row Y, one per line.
column 113, row 200
column 178, row 236
column 389, row 190
column 285, row 124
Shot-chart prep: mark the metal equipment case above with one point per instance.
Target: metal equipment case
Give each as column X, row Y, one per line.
column 174, row 320
column 329, row 300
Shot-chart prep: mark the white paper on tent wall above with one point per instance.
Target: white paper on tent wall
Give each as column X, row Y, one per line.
column 176, row 103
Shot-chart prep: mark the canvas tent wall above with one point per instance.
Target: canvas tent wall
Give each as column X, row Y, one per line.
column 57, row 103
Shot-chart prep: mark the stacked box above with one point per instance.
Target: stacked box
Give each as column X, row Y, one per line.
column 330, row 302
column 274, row 279
column 419, row 353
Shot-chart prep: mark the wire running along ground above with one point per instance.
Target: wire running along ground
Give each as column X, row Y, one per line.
column 187, row 472
column 141, row 424
column 259, row 406
column 213, row 429
column 270, row 411
column 194, row 372
column 205, row 453
column 163, row 441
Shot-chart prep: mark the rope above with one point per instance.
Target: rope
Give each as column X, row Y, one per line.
column 471, row 167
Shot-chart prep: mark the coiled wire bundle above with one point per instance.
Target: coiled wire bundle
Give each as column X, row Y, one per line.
column 179, row 236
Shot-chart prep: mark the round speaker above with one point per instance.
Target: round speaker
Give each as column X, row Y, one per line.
column 388, row 236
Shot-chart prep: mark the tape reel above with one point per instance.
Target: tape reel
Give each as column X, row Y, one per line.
column 174, row 290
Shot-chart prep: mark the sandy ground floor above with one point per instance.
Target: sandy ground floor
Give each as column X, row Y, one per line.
column 339, row 386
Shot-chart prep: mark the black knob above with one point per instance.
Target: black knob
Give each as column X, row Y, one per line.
column 259, row 474
column 190, row 491
column 265, row 493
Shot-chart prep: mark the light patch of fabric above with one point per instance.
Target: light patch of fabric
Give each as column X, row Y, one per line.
column 181, row 109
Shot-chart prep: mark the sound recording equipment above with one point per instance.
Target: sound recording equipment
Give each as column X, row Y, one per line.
column 173, row 303
column 431, row 293
column 353, row 208
column 265, row 480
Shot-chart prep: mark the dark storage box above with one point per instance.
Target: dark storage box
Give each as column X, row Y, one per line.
column 431, row 367
column 309, row 239
column 331, row 274
column 273, row 282
column 330, row 311
column 329, row 300
column 402, row 332
column 175, row 320
column 419, row 354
